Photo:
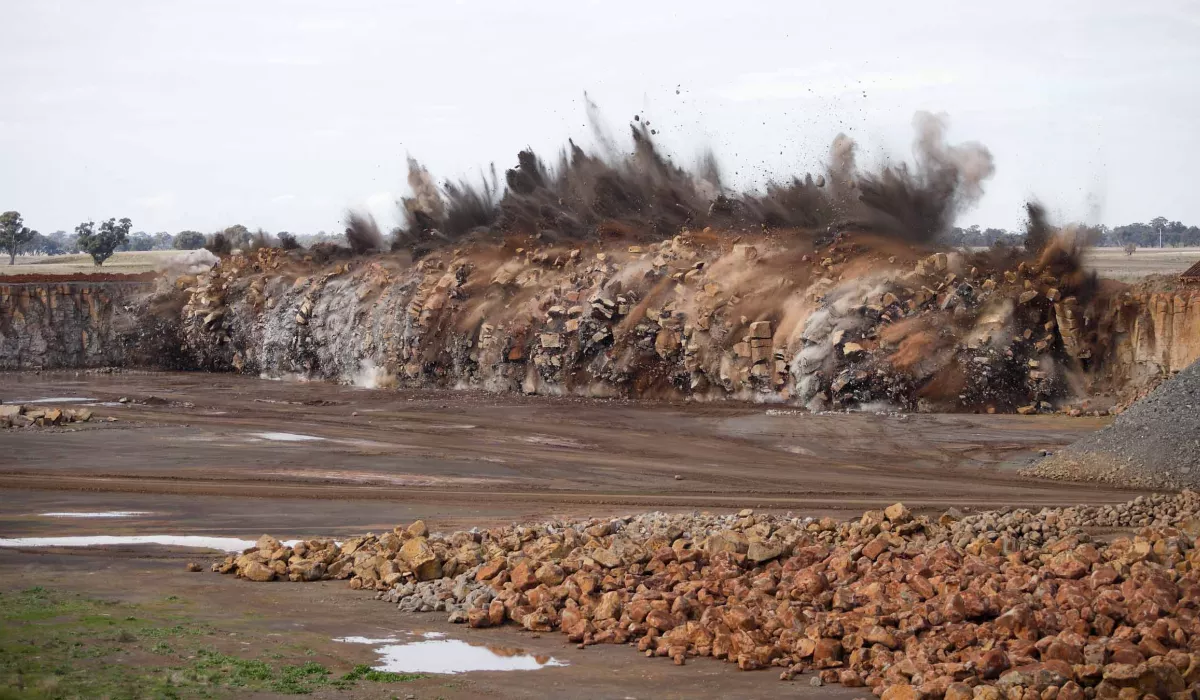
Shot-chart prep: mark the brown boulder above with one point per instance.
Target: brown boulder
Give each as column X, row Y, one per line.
column 902, row 691
column 489, row 570
column 993, row 663
column 257, row 571
column 496, row 613
column 609, row 607
column 897, row 513
column 828, row 652
column 727, row 541
column 660, row 620
column 421, row 559
column 1067, row 565
column 478, row 617
column 1160, row 680
column 874, row 548
column 522, row 576
column 550, row 574
column 759, row 552
column 880, row 635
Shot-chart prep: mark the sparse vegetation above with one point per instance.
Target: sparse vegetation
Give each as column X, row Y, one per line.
column 59, row 645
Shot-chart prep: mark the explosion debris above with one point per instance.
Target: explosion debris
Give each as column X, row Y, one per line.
column 643, row 196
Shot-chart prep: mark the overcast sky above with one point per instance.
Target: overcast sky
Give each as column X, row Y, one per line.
column 198, row 115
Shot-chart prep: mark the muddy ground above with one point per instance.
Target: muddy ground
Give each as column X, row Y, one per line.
column 229, row 455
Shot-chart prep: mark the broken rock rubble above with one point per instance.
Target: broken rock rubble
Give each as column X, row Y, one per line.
column 18, row 416
column 1000, row 604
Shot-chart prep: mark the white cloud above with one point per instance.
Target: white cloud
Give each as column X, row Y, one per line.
column 279, row 199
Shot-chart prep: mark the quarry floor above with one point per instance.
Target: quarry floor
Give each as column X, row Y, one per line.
column 203, row 454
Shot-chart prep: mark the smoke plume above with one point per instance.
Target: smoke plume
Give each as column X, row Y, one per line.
column 362, row 233
column 644, row 195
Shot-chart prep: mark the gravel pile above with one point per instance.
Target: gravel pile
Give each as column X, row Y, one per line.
column 1154, row 444
column 998, row 604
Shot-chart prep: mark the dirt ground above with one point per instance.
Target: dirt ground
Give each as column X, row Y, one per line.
column 1113, row 263
column 234, row 456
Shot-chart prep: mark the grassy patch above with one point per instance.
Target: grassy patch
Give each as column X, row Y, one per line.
column 57, row 645
column 362, row 672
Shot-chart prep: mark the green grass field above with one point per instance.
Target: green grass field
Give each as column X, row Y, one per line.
column 61, row 645
column 119, row 263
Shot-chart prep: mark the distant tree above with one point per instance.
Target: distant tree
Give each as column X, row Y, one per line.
column 44, row 245
column 189, row 240
column 162, row 241
column 1130, row 248
column 140, row 241
column 103, row 243
column 14, row 235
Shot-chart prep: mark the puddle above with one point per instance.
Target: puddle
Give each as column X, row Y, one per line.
column 553, row 441
column 101, row 514
column 451, row 656
column 224, row 544
column 286, row 437
column 53, row 399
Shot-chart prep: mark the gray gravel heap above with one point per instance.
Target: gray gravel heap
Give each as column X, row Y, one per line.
column 1154, row 444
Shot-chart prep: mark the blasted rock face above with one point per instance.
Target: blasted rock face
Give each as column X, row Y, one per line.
column 695, row 316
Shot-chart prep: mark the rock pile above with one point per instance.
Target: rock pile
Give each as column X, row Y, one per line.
column 1004, row 604
column 18, row 416
column 1153, row 444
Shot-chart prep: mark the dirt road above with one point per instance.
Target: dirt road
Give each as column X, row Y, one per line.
column 223, row 454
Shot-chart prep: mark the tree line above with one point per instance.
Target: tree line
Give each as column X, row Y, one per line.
column 113, row 236
column 1137, row 235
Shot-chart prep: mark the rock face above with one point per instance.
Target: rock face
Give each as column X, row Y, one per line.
column 850, row 325
column 1156, row 443
column 46, row 325
column 691, row 317
column 997, row 604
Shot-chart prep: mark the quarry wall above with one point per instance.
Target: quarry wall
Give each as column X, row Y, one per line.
column 82, row 324
column 847, row 327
